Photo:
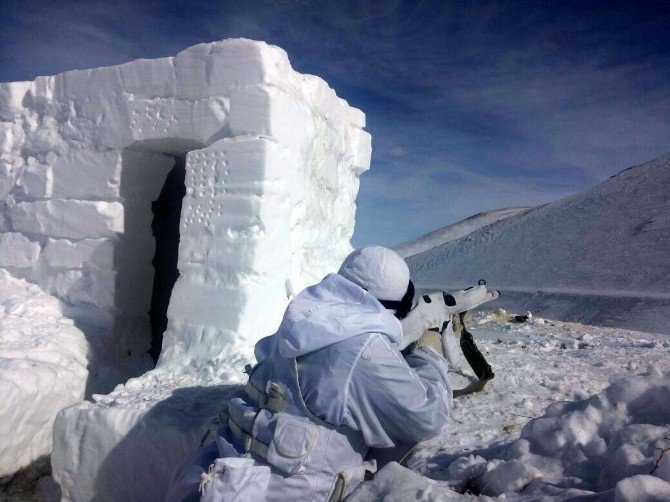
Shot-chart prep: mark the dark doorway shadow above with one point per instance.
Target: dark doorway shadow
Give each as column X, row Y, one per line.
column 165, row 227
column 126, row 340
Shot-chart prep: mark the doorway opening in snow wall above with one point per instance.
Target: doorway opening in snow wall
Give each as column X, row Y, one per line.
column 165, row 228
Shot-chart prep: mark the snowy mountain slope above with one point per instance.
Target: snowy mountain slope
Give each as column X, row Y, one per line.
column 455, row 231
column 600, row 257
column 43, row 359
column 536, row 431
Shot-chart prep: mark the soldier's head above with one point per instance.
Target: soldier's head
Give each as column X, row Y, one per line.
column 383, row 273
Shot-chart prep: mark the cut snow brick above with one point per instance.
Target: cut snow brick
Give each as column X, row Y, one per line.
column 16, row 250
column 91, row 287
column 74, row 219
column 64, row 253
column 37, row 179
column 149, row 78
column 86, row 175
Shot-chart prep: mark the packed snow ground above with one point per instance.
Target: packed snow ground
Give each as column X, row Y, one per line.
column 43, row 359
column 495, row 444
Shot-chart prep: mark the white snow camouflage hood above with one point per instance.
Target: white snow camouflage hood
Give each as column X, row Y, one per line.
column 332, row 311
column 379, row 270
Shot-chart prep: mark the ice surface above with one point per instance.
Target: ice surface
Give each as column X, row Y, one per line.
column 43, row 359
column 599, row 257
column 272, row 164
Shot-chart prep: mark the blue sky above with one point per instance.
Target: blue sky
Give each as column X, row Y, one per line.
column 471, row 105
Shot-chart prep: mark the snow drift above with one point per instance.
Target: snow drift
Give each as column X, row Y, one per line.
column 267, row 161
column 607, row 443
column 43, row 359
column 599, row 257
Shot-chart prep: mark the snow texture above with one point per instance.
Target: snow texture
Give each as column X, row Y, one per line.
column 43, row 359
column 600, row 257
column 572, row 411
column 272, row 161
column 588, row 445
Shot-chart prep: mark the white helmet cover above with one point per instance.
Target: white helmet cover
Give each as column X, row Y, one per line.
column 379, row 270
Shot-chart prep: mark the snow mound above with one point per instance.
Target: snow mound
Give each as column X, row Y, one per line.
column 642, row 488
column 615, row 441
column 600, row 257
column 43, row 359
column 455, row 231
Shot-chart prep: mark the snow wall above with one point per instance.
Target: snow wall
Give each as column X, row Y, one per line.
column 270, row 159
column 600, row 257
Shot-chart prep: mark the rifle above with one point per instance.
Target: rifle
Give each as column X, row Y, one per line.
column 435, row 313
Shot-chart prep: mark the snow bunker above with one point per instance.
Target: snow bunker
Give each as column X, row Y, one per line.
column 94, row 167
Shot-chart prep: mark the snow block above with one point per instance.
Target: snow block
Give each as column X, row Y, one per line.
column 91, row 287
column 204, row 69
column 62, row 253
column 167, row 124
column 11, row 135
column 80, row 175
column 128, row 449
column 149, row 78
column 77, row 175
column 74, row 219
column 16, row 250
column 36, row 179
